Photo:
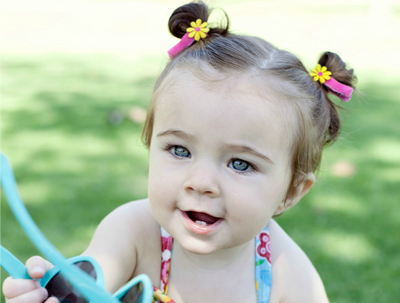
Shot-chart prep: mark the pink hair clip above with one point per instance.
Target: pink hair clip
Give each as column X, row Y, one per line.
column 344, row 92
column 197, row 30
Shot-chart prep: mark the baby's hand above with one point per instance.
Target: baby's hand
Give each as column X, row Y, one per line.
column 23, row 290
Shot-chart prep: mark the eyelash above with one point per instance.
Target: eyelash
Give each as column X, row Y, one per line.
column 252, row 167
column 169, row 147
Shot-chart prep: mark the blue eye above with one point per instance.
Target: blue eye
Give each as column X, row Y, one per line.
column 240, row 165
column 180, row 151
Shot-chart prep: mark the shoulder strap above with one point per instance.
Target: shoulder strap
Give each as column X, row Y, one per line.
column 166, row 248
column 263, row 266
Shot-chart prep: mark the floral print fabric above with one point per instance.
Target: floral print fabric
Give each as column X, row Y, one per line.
column 166, row 250
column 159, row 296
column 263, row 267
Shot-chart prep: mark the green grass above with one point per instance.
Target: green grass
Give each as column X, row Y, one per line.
column 350, row 227
column 73, row 167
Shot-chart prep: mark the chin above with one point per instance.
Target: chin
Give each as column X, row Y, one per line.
column 198, row 247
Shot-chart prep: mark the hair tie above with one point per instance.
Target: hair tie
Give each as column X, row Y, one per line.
column 197, row 30
column 334, row 87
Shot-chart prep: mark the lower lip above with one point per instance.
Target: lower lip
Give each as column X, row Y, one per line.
column 200, row 229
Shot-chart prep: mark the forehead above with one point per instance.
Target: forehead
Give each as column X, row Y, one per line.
column 229, row 108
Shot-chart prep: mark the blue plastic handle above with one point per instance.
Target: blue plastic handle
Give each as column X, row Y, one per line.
column 83, row 282
column 12, row 265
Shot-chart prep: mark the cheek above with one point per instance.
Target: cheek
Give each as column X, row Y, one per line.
column 159, row 195
column 242, row 205
column 257, row 201
column 162, row 185
column 156, row 187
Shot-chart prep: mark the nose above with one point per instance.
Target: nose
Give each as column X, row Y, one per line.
column 202, row 180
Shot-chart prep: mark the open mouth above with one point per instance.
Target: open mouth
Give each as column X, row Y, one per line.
column 202, row 218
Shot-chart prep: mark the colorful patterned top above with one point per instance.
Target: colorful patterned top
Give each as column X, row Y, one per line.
column 263, row 267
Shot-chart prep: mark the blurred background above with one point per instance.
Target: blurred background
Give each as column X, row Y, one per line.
column 77, row 76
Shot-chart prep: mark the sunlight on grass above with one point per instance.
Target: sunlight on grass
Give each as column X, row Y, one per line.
column 385, row 150
column 346, row 204
column 390, row 174
column 79, row 240
column 35, row 192
column 347, row 247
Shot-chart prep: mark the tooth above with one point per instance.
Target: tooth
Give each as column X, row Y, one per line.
column 201, row 223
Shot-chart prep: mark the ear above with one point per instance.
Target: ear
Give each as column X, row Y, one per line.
column 295, row 194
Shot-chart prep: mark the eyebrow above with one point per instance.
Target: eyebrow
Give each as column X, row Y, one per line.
column 247, row 149
column 177, row 133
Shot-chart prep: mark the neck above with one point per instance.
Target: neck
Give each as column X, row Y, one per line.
column 222, row 259
column 214, row 275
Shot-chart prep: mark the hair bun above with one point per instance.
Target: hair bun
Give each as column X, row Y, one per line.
column 340, row 73
column 183, row 15
column 338, row 69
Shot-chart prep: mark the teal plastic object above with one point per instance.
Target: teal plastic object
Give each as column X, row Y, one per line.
column 89, row 289
column 12, row 265
column 55, row 270
column 17, row 269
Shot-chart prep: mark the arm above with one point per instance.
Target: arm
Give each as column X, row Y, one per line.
column 119, row 240
column 115, row 245
column 294, row 277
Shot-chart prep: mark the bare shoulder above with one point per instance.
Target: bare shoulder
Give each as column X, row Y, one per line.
column 294, row 278
column 132, row 219
column 122, row 239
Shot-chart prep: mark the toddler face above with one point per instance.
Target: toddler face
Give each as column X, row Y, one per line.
column 219, row 164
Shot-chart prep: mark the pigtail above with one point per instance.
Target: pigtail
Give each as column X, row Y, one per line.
column 338, row 69
column 344, row 76
column 183, row 15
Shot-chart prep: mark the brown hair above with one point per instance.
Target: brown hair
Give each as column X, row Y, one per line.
column 317, row 119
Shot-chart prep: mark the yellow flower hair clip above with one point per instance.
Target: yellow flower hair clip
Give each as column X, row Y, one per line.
column 198, row 29
column 340, row 90
column 320, row 73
